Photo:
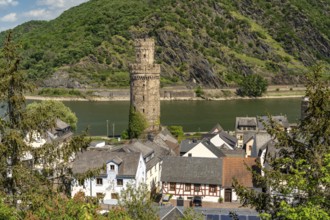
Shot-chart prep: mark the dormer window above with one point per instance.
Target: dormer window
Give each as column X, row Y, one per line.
column 112, row 167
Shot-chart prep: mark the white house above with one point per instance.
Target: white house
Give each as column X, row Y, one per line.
column 205, row 149
column 117, row 169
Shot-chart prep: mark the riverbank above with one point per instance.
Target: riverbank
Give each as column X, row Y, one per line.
column 181, row 94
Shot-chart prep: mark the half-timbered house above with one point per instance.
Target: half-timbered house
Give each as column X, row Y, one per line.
column 192, row 176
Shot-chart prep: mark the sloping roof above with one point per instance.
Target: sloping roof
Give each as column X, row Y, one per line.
column 166, row 139
column 236, row 168
column 230, row 140
column 216, row 129
column 248, row 136
column 94, row 159
column 169, row 212
column 259, row 140
column 192, row 170
column 279, row 119
column 188, row 144
column 160, row 153
column 137, row 146
column 233, row 153
column 59, row 124
column 246, row 122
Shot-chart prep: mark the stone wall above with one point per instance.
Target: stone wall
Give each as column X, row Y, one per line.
column 145, row 83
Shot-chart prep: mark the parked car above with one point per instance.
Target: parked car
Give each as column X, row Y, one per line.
column 166, row 199
column 196, row 201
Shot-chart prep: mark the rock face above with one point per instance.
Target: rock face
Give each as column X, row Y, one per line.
column 144, row 83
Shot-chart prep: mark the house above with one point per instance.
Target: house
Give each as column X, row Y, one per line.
column 117, row 169
column 205, row 149
column 248, row 141
column 152, row 155
column 224, row 140
column 233, row 167
column 210, row 178
column 280, row 120
column 244, row 125
column 192, row 176
column 187, row 144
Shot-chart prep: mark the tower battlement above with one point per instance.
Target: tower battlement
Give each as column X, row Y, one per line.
column 144, row 50
column 137, row 68
column 145, row 42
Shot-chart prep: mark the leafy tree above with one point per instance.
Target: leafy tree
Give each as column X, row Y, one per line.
column 177, row 131
column 43, row 111
column 199, row 91
column 297, row 184
column 136, row 201
column 25, row 188
column 252, row 85
column 191, row 214
column 137, row 123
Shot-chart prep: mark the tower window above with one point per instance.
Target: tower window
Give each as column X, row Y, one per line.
column 143, row 110
column 143, row 98
column 144, row 55
column 154, row 110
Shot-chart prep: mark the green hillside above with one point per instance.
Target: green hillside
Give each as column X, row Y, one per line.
column 213, row 43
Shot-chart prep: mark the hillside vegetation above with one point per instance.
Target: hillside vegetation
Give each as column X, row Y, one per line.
column 213, row 43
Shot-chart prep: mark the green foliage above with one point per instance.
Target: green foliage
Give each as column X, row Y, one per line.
column 177, row 131
column 6, row 212
column 93, row 42
column 137, row 123
column 136, row 201
column 59, row 92
column 46, row 112
column 29, row 183
column 297, row 183
column 199, row 91
column 252, row 85
column 191, row 214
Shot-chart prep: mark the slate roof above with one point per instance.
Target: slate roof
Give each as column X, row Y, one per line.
column 259, row 140
column 165, row 139
column 247, row 137
column 236, row 168
column 137, row 146
column 233, row 153
column 187, row 145
column 61, row 124
column 246, row 122
column 280, row 119
column 94, row 159
column 169, row 212
column 160, row 153
column 192, row 170
column 230, row 140
column 216, row 129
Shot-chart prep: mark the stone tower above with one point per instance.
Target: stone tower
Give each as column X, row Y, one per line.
column 144, row 83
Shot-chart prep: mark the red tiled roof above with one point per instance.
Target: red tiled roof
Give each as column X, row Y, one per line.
column 234, row 167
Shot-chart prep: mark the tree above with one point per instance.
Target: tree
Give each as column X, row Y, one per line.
column 25, row 188
column 137, row 123
column 191, row 214
column 252, row 85
column 48, row 111
column 297, row 183
column 177, row 131
column 136, row 201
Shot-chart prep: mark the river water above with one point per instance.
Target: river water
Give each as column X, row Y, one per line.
column 192, row 115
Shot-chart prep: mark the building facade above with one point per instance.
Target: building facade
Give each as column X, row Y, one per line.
column 144, row 83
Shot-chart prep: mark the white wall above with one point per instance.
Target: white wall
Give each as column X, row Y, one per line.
column 218, row 142
column 200, row 151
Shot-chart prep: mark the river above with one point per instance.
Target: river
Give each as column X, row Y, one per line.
column 192, row 115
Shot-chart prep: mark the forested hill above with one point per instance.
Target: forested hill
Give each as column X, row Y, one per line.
column 213, row 43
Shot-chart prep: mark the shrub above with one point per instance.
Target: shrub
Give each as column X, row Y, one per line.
column 252, row 85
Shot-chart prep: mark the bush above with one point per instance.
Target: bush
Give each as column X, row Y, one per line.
column 252, row 85
column 199, row 91
column 177, row 131
column 220, row 200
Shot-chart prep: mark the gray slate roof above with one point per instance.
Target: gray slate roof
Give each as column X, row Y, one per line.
column 230, row 140
column 216, row 129
column 94, row 159
column 192, row 170
column 137, row 146
column 188, row 144
column 279, row 119
column 259, row 140
column 245, row 122
column 233, row 153
column 169, row 212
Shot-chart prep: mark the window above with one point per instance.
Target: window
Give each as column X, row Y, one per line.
column 189, row 155
column 119, row 182
column 112, row 167
column 143, row 98
column 144, row 55
column 143, row 110
column 197, row 187
column 99, row 181
column 172, row 186
column 213, row 188
column 114, row 195
column 187, row 187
